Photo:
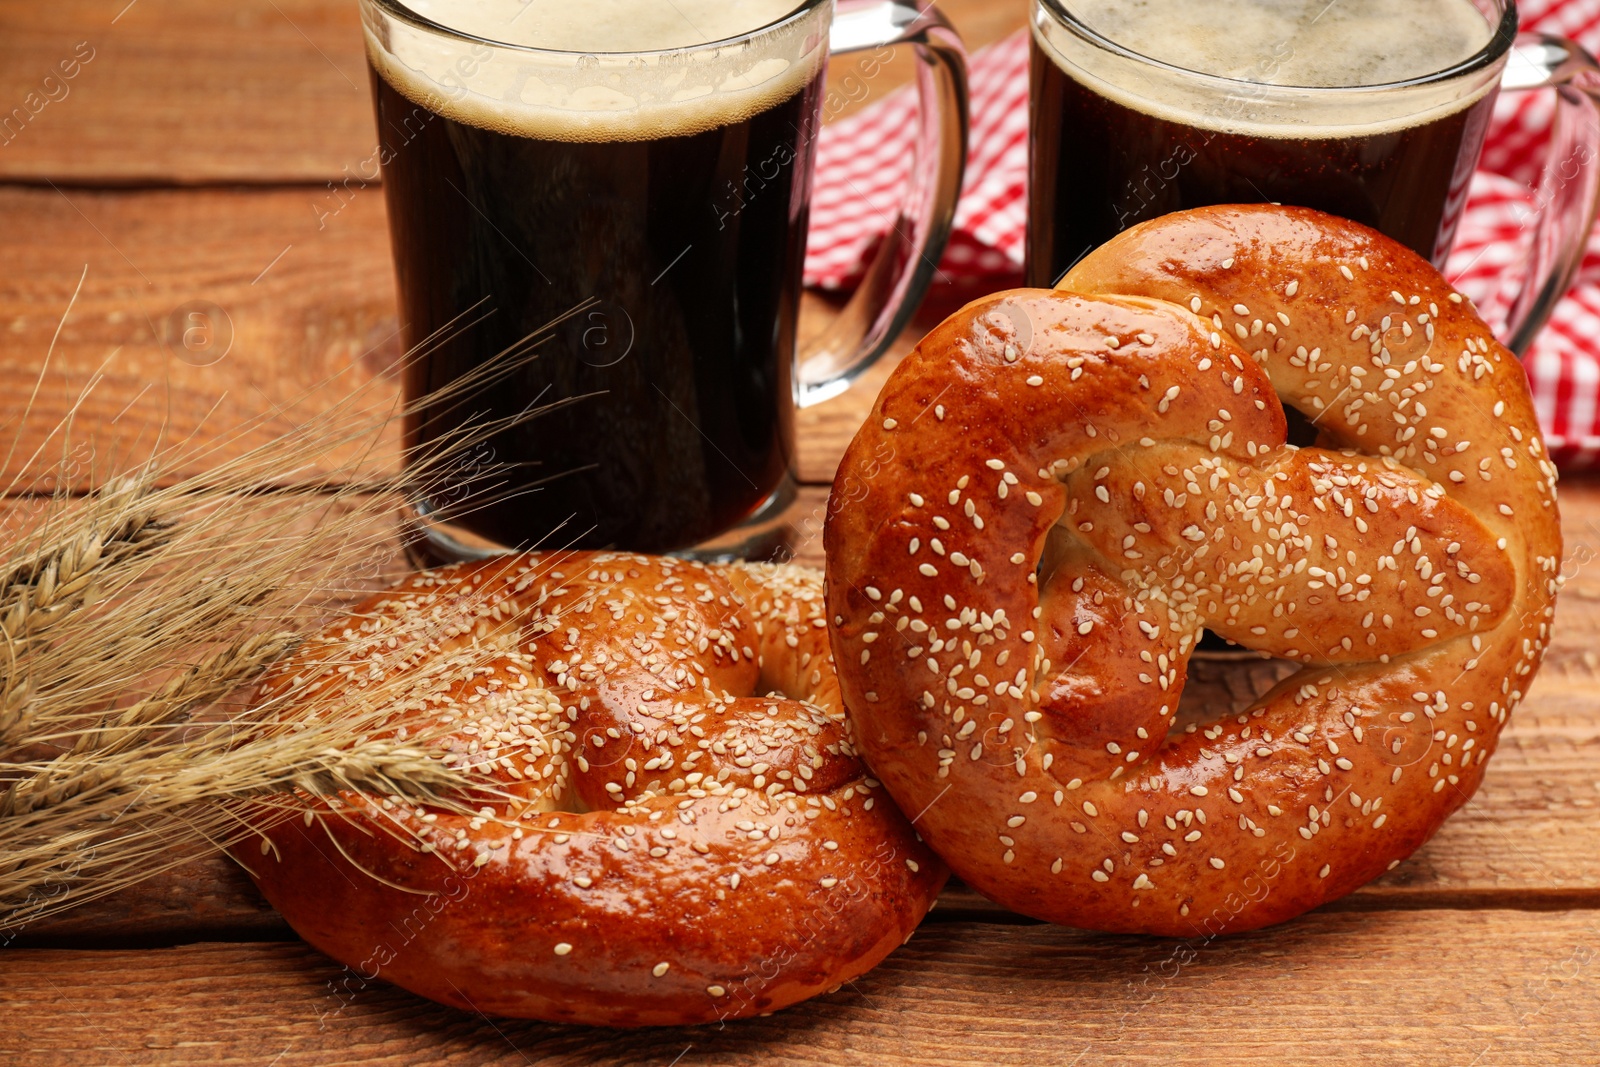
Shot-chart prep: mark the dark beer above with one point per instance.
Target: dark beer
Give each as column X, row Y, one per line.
column 1103, row 159
column 671, row 398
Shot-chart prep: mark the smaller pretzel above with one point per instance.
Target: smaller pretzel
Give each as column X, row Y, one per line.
column 1079, row 483
column 681, row 843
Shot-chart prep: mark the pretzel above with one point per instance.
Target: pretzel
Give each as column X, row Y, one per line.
column 1073, row 485
column 673, row 845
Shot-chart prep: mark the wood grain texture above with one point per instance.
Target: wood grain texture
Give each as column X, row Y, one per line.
column 206, row 899
column 252, row 91
column 295, row 293
column 291, row 318
column 1421, row 989
column 186, row 91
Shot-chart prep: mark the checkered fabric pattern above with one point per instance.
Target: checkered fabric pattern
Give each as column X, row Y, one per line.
column 861, row 168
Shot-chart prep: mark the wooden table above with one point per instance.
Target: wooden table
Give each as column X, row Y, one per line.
column 200, row 157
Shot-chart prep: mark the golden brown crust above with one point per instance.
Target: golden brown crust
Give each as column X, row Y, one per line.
column 682, row 844
column 1079, row 482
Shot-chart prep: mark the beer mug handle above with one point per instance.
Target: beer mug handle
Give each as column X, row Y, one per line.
column 900, row 273
column 1569, row 189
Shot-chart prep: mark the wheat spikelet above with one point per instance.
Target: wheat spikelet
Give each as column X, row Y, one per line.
column 378, row 767
column 47, row 583
column 205, row 683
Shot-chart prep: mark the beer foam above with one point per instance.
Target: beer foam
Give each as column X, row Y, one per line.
column 604, row 25
column 1282, row 46
column 607, row 70
column 1329, row 45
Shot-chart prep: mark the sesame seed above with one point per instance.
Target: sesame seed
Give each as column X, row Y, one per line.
column 660, row 969
column 563, row 948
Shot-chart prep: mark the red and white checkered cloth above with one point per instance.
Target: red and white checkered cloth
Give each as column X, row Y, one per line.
column 861, row 163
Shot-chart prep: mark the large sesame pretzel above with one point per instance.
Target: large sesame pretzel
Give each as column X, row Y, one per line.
column 1083, row 480
column 685, row 834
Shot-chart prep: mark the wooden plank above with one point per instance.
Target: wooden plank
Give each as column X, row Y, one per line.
column 202, row 900
column 1403, row 988
column 252, row 91
column 291, row 318
column 297, row 313
column 184, row 91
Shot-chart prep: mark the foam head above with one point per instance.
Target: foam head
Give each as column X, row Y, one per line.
column 1313, row 42
column 604, row 25
column 1279, row 47
column 600, row 70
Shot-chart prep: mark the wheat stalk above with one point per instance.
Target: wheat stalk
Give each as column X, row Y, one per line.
column 134, row 619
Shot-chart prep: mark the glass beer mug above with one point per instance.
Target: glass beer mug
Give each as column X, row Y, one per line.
column 649, row 165
column 1368, row 109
